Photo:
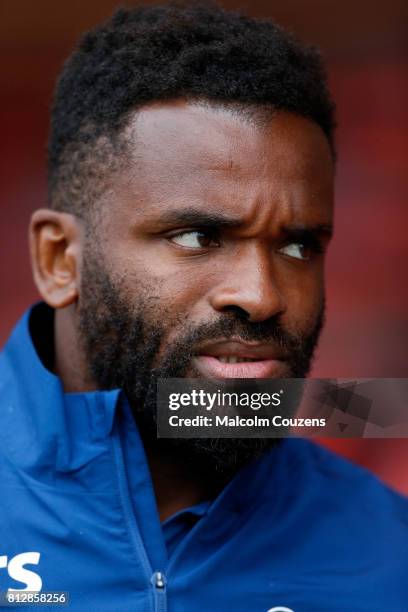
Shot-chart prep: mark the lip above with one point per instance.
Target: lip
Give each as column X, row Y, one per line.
column 269, row 360
column 211, row 367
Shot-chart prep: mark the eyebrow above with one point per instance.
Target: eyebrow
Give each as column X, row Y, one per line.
column 199, row 218
column 194, row 217
column 299, row 231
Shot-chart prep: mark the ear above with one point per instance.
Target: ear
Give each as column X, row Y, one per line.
column 55, row 246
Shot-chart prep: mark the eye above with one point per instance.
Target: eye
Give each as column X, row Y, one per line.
column 195, row 239
column 297, row 250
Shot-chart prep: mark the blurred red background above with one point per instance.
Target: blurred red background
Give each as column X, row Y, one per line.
column 367, row 289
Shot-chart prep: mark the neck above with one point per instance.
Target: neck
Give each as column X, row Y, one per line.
column 70, row 363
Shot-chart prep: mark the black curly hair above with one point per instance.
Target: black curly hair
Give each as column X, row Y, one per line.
column 193, row 51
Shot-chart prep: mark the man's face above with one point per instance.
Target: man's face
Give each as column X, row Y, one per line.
column 208, row 256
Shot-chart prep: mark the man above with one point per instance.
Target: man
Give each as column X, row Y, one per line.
column 191, row 169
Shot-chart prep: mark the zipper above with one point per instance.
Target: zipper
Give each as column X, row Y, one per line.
column 157, row 579
column 159, row 582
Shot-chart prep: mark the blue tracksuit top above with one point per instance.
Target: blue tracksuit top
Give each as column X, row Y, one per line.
column 299, row 529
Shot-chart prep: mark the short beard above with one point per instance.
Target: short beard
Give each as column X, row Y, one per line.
column 122, row 340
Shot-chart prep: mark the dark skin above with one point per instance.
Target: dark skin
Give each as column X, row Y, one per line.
column 218, row 212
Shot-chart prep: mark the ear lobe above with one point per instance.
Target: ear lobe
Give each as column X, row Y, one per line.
column 55, row 246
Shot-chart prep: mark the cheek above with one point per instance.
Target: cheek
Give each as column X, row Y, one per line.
column 185, row 291
column 304, row 296
column 169, row 298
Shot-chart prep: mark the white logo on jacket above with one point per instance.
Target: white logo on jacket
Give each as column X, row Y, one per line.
column 17, row 571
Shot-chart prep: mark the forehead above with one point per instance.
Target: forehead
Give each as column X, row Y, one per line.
column 220, row 156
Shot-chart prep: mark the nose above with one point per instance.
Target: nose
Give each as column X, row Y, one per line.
column 249, row 286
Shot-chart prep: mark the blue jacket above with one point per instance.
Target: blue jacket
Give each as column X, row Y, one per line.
column 300, row 529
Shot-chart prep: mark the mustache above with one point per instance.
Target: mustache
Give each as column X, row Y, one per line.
column 236, row 326
column 270, row 331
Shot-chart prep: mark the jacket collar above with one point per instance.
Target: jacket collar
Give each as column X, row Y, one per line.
column 42, row 425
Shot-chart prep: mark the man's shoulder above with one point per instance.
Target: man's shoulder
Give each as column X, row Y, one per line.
column 334, row 470
column 338, row 531
column 322, row 477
